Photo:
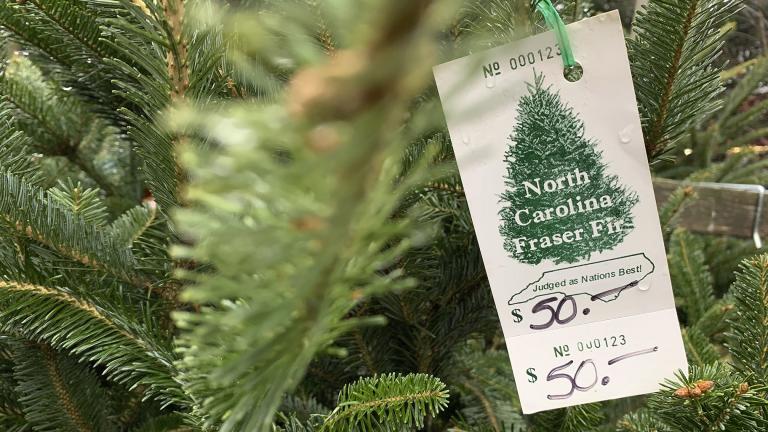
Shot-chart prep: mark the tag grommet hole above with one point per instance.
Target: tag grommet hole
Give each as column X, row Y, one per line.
column 573, row 73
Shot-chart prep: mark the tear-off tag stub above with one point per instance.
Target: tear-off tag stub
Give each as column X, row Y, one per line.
column 560, row 193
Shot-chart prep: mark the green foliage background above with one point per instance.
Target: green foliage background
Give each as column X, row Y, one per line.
column 245, row 215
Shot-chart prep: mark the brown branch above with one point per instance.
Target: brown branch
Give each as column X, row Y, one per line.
column 81, row 257
column 67, row 298
column 458, row 190
column 365, row 353
column 725, row 414
column 314, row 96
column 487, row 406
column 325, row 35
column 177, row 62
column 372, row 405
column 692, row 351
column 61, row 390
column 231, row 85
column 143, row 6
column 655, row 138
column 763, row 284
column 178, row 74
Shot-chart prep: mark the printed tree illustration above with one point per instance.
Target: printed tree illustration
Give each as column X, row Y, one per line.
column 548, row 144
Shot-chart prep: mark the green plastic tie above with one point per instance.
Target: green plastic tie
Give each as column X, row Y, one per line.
column 556, row 23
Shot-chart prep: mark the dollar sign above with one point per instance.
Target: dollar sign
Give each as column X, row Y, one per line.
column 532, row 378
column 516, row 317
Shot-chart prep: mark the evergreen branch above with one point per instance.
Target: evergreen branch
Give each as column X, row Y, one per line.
column 33, row 213
column 750, row 169
column 324, row 34
column 710, row 398
column 498, row 20
column 11, row 411
column 674, row 206
column 749, row 137
column 698, row 347
column 297, row 210
column 691, row 278
column 178, row 66
column 365, row 353
column 39, row 120
column 305, row 409
column 65, row 33
column 165, row 423
column 367, row 346
column 154, row 82
column 290, row 423
column 91, row 332
column 488, row 409
column 391, row 400
column 23, row 86
column 299, row 297
column 748, row 338
column 157, row 151
column 738, row 70
column 572, row 419
column 15, row 156
column 736, row 123
column 133, row 224
column 726, row 171
column 130, row 408
column 445, row 187
column 672, row 55
column 13, row 421
column 674, row 69
column 582, row 417
column 715, row 321
column 641, row 421
column 75, row 20
column 6, row 355
column 486, row 386
column 87, row 166
column 59, row 394
column 744, row 89
column 58, row 122
column 85, row 203
column 142, row 6
column 23, row 28
column 62, row 296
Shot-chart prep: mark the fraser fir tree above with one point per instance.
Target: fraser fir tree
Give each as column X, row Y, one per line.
column 567, row 198
column 245, row 216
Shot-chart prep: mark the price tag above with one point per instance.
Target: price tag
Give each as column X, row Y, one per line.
column 560, row 193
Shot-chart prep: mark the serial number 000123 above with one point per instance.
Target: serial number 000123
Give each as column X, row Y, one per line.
column 522, row 60
column 604, row 342
column 531, row 57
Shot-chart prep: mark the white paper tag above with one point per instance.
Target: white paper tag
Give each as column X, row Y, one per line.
column 560, row 193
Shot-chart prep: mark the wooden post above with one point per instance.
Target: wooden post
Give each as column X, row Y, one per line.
column 720, row 208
